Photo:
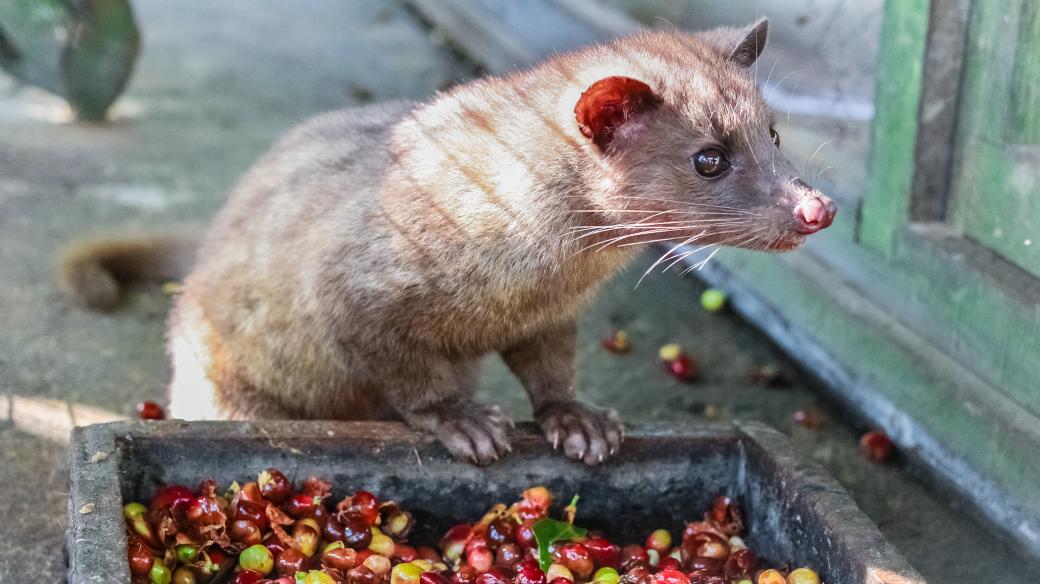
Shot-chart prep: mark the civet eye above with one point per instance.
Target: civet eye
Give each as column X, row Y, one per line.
column 710, row 162
column 775, row 136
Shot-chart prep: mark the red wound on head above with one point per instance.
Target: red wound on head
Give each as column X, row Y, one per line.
column 609, row 103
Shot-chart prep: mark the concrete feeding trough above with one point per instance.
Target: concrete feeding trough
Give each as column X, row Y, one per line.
column 662, row 477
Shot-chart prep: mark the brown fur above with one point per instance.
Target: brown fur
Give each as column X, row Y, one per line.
column 90, row 271
column 364, row 266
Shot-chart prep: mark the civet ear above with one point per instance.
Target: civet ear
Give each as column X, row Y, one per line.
column 752, row 41
column 608, row 104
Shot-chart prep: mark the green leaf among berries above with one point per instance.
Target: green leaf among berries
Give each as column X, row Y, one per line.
column 548, row 531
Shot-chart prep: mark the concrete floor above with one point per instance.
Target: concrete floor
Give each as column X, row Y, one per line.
column 216, row 83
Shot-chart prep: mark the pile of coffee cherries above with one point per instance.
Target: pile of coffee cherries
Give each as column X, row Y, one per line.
column 267, row 532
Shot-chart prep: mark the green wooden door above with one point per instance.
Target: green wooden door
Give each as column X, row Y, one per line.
column 950, row 227
column 973, row 261
column 995, row 198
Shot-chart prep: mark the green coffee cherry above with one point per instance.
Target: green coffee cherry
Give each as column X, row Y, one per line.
column 160, row 574
column 187, row 553
column 713, row 299
column 257, row 558
column 405, row 573
column 314, row 577
column 184, row 575
column 335, row 545
column 132, row 510
column 606, row 575
column 803, row 576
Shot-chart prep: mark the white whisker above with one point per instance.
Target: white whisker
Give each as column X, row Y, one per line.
column 669, row 238
column 605, row 244
column 665, row 256
column 700, row 265
column 817, row 151
column 752, row 151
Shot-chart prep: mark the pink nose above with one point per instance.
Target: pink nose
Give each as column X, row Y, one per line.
column 815, row 214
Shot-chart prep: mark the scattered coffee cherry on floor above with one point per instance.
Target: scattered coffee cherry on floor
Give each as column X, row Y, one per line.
column 713, row 300
column 616, row 341
column 876, row 446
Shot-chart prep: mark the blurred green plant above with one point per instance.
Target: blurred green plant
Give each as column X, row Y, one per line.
column 82, row 50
